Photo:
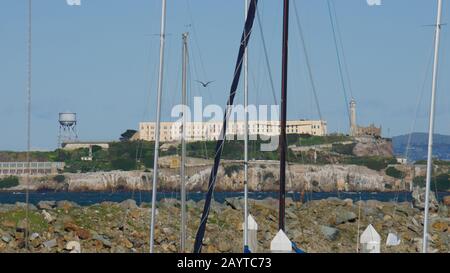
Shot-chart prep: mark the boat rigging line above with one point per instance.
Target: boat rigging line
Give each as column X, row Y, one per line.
column 266, row 55
column 308, row 63
column 334, row 27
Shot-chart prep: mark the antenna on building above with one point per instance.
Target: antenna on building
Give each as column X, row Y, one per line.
column 67, row 128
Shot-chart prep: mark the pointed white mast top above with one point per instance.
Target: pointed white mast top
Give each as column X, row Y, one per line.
column 281, row 243
column 370, row 235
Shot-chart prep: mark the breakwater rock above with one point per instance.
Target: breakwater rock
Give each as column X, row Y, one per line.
column 329, row 225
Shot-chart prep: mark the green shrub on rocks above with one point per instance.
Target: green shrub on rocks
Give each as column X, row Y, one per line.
column 440, row 182
column 394, row 172
column 309, row 140
column 229, row 170
column 375, row 163
column 435, row 162
column 344, row 149
column 9, row 182
column 59, row 178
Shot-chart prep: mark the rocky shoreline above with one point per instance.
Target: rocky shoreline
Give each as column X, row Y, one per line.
column 263, row 176
column 329, row 225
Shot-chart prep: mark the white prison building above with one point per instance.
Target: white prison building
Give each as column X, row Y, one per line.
column 210, row 131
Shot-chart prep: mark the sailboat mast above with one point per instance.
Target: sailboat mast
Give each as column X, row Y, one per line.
column 221, row 141
column 431, row 125
column 158, row 123
column 27, row 195
column 183, row 144
column 246, row 136
column 283, row 146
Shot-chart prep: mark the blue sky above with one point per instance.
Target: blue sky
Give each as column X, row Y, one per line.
column 100, row 61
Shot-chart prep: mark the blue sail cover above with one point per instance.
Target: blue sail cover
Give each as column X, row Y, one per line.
column 221, row 141
column 247, row 250
column 296, row 249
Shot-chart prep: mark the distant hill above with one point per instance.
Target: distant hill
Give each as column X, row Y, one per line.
column 419, row 146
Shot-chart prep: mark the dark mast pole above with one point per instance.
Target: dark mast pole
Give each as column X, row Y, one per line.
column 283, row 145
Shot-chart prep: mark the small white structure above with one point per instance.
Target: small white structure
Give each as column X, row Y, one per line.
column 281, row 243
column 370, row 240
column 67, row 128
column 252, row 234
column 402, row 160
column 393, row 240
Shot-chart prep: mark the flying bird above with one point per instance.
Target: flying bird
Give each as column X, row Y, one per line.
column 205, row 84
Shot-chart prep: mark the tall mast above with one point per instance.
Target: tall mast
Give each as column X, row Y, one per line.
column 221, row 141
column 27, row 196
column 431, row 128
column 183, row 144
column 158, row 121
column 284, row 76
column 246, row 136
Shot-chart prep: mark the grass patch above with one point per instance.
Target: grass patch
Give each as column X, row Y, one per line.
column 37, row 221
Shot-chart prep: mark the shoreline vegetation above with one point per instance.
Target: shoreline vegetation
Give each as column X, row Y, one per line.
column 138, row 155
column 330, row 163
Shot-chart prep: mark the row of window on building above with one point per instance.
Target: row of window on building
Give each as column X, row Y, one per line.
column 18, row 168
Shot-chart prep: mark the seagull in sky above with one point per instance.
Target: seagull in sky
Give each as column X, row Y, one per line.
column 205, row 84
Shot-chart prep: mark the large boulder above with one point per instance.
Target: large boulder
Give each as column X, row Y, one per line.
column 329, row 232
column 344, row 216
column 66, row 205
column 50, row 244
column 224, row 246
column 6, row 207
column 47, row 205
column 105, row 241
column 129, row 204
column 418, row 201
column 47, row 216
column 24, row 206
column 234, row 203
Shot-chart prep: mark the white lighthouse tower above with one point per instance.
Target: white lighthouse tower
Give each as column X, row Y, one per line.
column 353, row 125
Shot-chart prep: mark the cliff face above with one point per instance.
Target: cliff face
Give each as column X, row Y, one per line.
column 263, row 176
column 299, row 177
column 368, row 146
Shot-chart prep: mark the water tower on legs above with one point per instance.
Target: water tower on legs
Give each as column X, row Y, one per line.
column 67, row 128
